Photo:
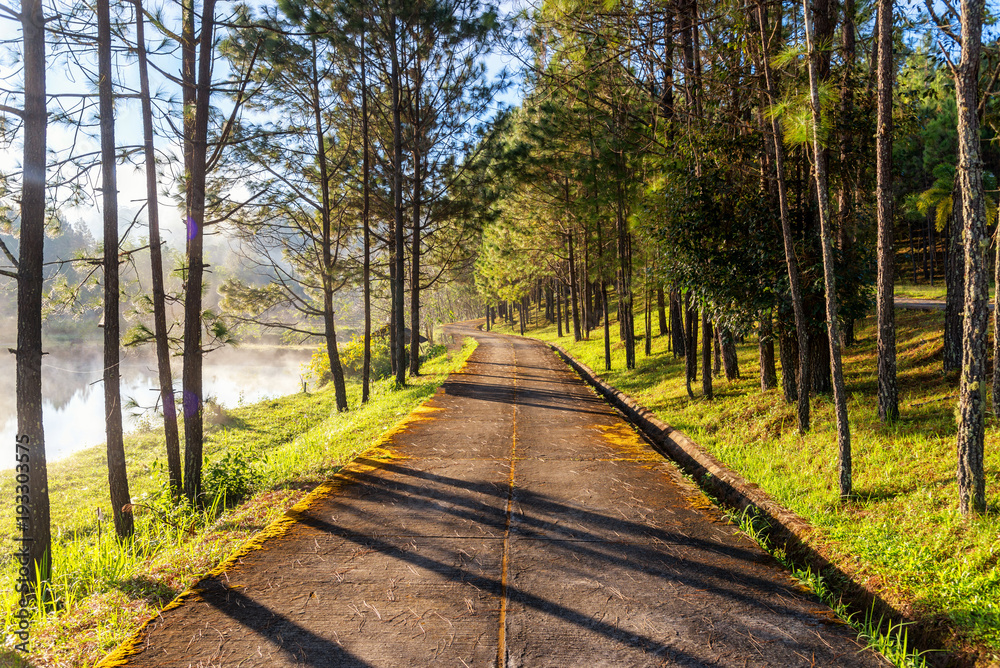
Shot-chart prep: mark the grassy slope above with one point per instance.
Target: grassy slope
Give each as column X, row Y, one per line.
column 105, row 591
column 903, row 533
column 925, row 291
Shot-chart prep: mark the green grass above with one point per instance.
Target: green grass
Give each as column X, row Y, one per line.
column 925, row 291
column 103, row 590
column 902, row 534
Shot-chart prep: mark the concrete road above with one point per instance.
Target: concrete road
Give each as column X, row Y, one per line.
column 520, row 523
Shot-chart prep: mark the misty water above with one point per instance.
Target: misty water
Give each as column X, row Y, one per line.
column 73, row 392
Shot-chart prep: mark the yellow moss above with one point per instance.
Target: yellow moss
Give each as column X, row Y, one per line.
column 622, row 436
column 701, row 502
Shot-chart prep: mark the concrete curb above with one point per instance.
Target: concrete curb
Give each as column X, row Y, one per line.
column 787, row 530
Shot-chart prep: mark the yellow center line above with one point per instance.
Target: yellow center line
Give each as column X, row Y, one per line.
column 502, row 642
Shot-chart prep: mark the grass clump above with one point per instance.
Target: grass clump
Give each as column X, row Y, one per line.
column 259, row 462
column 902, row 533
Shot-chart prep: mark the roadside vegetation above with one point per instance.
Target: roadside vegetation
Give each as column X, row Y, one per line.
column 901, row 533
column 260, row 460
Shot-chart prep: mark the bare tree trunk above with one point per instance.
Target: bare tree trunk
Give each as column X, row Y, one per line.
column 706, row 354
column 117, row 474
column 397, row 198
column 801, row 326
column 607, row 323
column 677, row 324
column 716, row 354
column 730, row 361
column 366, row 277
column 661, row 310
column 36, row 541
column 165, row 376
column 192, row 376
column 849, row 181
column 765, row 344
column 586, row 312
column 567, row 289
column 415, row 238
column 558, row 300
column 954, row 286
column 326, row 241
column 690, row 343
column 604, row 289
column 833, row 330
column 972, row 384
column 648, row 341
column 789, row 353
column 888, row 395
column 573, row 290
column 625, row 314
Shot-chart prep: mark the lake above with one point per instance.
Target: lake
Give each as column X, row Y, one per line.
column 73, row 393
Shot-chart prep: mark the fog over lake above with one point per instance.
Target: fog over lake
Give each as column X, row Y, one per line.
column 73, row 393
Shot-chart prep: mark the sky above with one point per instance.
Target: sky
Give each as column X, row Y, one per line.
column 67, row 77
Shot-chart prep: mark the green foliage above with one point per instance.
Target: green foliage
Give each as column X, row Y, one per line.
column 352, row 357
column 232, row 477
column 795, row 113
column 317, row 369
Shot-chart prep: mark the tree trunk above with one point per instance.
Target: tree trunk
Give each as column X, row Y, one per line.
column 954, row 287
column 791, row 261
column 829, row 280
column 326, row 242
column 171, row 434
column 558, row 300
column 192, row 376
column 397, row 198
column 706, row 354
column 677, row 324
column 648, row 341
column 789, row 354
column 730, row 361
column 585, row 304
column 625, row 314
column 36, row 541
column 607, row 323
column 566, row 306
column 765, row 345
column 415, row 237
column 849, row 182
column 690, row 343
column 931, row 248
column 366, row 275
column 573, row 290
column 996, row 333
column 820, row 381
column 661, row 310
column 972, row 385
column 888, row 395
column 117, row 475
column 716, row 355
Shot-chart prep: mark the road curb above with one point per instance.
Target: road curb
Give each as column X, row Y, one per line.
column 787, row 530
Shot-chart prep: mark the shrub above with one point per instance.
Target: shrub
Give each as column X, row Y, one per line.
column 233, row 477
column 352, row 359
